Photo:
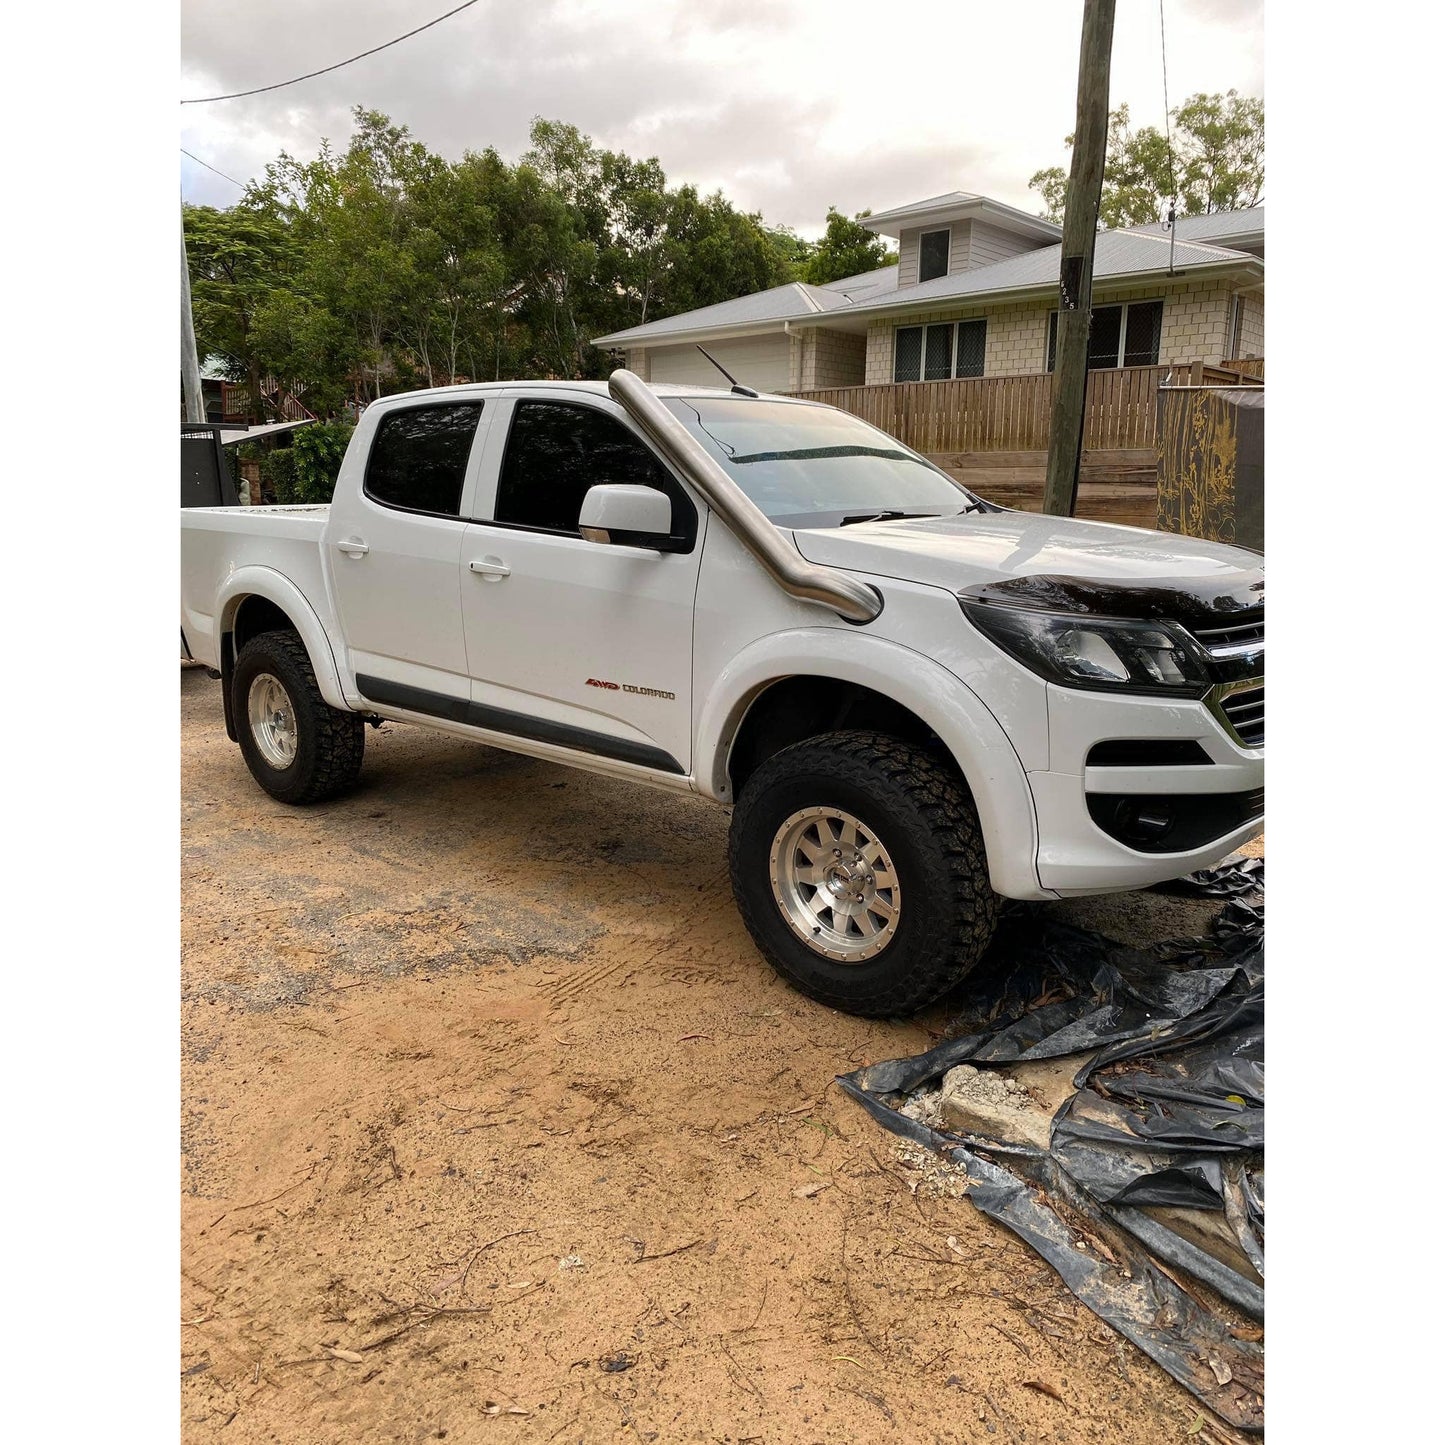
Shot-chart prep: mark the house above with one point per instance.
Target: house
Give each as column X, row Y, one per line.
column 974, row 294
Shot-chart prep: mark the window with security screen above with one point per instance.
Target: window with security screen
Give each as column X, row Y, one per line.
column 907, row 353
column 1126, row 335
column 938, row 353
column 972, row 338
column 1142, row 328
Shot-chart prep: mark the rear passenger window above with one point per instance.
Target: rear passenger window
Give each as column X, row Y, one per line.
column 556, row 451
column 418, row 458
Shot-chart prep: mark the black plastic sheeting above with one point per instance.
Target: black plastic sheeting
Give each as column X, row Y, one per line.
column 1169, row 1112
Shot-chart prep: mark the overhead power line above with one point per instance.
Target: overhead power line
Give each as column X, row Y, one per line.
column 1168, row 128
column 326, row 70
column 210, row 167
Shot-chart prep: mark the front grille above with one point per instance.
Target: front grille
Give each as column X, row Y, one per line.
column 1244, row 711
column 1225, row 641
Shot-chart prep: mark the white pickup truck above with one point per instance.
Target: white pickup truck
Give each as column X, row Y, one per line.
column 915, row 702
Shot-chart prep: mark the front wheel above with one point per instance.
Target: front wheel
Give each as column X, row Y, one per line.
column 859, row 869
column 297, row 746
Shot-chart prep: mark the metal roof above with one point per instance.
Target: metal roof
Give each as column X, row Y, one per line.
column 867, row 283
column 1221, row 227
column 961, row 205
column 776, row 304
column 1117, row 256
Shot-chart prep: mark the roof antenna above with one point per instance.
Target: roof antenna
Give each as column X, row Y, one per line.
column 737, row 386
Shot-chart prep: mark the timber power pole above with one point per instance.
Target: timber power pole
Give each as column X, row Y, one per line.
column 1076, row 267
column 190, row 362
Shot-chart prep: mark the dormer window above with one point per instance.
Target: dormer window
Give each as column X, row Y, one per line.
column 933, row 254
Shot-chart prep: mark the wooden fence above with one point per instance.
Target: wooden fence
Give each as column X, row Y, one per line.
column 1011, row 413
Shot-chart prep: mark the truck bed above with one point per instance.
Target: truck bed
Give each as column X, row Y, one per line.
column 218, row 541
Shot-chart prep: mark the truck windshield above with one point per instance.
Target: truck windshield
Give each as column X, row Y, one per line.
column 812, row 466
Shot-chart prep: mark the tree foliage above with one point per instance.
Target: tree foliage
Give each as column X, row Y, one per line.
column 382, row 266
column 1218, row 163
column 847, row 249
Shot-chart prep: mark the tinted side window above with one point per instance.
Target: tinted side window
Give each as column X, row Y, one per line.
column 557, row 450
column 418, row 458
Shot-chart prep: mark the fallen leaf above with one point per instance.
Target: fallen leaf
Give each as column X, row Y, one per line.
column 1253, row 1333
column 1197, row 1426
column 1044, row 1388
column 1222, row 1372
column 350, row 1356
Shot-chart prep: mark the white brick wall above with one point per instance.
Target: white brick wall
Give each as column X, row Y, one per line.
column 1195, row 327
column 832, row 358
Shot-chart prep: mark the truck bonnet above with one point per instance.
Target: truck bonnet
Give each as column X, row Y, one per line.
column 1054, row 564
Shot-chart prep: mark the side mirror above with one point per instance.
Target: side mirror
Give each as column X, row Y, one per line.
column 626, row 516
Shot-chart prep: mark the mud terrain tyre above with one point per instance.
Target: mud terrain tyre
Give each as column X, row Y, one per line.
column 297, row 746
column 859, row 869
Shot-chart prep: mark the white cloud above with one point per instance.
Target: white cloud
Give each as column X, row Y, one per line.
column 788, row 105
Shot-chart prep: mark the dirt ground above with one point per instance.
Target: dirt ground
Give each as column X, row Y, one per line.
column 496, row 1127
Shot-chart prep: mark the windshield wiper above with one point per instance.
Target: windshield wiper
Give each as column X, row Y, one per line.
column 887, row 515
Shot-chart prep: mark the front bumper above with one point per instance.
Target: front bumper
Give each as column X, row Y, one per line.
column 1224, row 782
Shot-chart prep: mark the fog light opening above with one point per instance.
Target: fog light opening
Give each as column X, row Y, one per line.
column 1146, row 821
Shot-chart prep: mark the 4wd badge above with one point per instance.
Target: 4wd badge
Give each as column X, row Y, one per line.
column 632, row 687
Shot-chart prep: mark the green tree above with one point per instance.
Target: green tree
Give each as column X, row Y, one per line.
column 379, row 266
column 240, row 261
column 847, row 249
column 1218, row 163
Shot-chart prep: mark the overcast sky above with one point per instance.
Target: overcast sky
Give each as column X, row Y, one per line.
column 787, row 105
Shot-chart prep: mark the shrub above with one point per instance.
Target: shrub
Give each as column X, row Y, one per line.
column 317, row 451
column 278, row 474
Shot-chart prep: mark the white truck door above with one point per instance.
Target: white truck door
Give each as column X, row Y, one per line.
column 577, row 643
column 394, row 539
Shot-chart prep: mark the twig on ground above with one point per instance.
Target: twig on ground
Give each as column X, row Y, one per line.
column 424, row 1319
column 667, row 1253
column 762, row 1304
column 852, row 1304
column 741, row 1375
column 1006, row 1422
column 872, row 1399
column 1012, row 1338
column 461, row 1280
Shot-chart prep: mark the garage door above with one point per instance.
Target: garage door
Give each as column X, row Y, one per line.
column 760, row 362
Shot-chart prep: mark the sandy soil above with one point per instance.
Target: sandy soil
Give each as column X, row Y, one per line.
column 496, row 1127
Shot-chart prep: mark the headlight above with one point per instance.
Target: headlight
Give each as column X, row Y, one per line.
column 1106, row 654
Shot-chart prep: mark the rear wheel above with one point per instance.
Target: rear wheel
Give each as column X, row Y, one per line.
column 859, row 869
column 297, row 746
